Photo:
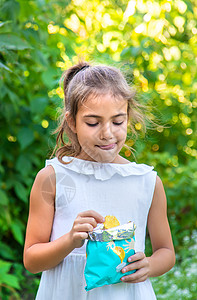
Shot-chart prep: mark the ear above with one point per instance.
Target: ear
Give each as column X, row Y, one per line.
column 70, row 121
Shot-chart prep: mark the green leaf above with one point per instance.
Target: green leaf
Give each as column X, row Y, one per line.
column 10, row 280
column 38, row 105
column 3, row 198
column 41, row 58
column 4, row 23
column 16, row 229
column 22, row 161
column 4, row 267
column 20, row 190
column 6, row 278
column 130, row 52
column 6, row 251
column 135, row 51
column 2, row 169
column 125, row 53
column 11, row 41
column 5, row 67
column 14, row 99
column 49, row 77
column 25, row 137
column 10, row 9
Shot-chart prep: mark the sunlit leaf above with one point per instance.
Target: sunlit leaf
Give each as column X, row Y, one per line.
column 4, row 267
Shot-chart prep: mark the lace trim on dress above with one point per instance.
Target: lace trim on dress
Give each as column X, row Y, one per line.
column 101, row 171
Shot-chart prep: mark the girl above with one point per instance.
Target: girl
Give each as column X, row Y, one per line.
column 88, row 180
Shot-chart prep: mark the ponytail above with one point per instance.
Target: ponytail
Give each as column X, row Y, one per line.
column 71, row 148
column 68, row 75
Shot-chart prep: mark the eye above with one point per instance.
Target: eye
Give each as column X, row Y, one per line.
column 118, row 124
column 92, row 125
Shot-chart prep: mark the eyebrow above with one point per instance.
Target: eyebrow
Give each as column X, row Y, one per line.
column 99, row 117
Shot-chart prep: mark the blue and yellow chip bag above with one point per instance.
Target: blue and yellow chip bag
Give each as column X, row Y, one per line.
column 107, row 253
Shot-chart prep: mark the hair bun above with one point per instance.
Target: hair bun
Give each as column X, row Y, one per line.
column 71, row 72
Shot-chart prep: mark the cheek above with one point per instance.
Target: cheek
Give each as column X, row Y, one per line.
column 85, row 135
column 122, row 132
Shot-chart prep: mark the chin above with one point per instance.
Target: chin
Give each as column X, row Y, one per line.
column 103, row 156
column 107, row 158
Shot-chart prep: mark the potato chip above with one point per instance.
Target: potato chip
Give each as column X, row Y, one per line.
column 120, row 252
column 110, row 222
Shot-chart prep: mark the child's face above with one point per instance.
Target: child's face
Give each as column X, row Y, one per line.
column 101, row 127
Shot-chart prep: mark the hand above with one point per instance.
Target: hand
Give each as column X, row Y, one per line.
column 86, row 221
column 140, row 263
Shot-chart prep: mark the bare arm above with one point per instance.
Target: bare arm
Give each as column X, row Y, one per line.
column 163, row 257
column 39, row 253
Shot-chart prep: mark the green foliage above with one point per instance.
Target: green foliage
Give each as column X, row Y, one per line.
column 180, row 282
column 154, row 43
column 6, row 278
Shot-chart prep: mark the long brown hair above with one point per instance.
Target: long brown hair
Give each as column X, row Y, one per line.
column 79, row 83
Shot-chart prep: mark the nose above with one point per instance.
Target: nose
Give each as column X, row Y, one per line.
column 106, row 132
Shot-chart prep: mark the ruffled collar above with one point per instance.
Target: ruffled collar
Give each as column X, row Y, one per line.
column 101, row 171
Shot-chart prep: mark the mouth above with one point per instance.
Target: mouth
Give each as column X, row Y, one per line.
column 106, row 147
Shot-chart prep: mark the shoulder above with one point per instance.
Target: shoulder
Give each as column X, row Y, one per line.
column 46, row 173
column 159, row 185
column 158, row 210
column 45, row 180
column 159, row 196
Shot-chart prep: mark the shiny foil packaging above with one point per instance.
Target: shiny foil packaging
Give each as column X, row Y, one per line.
column 121, row 232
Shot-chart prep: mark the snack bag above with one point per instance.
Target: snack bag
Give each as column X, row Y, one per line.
column 107, row 252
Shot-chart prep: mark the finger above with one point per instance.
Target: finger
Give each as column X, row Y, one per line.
column 141, row 279
column 136, row 256
column 132, row 280
column 128, row 268
column 137, row 265
column 81, row 235
column 137, row 276
column 93, row 214
column 87, row 220
column 84, row 227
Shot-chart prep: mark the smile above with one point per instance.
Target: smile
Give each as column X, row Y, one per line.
column 107, row 147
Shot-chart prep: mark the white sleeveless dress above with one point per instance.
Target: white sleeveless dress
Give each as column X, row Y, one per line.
column 123, row 190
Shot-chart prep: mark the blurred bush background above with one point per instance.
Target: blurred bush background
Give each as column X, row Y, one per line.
column 155, row 44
